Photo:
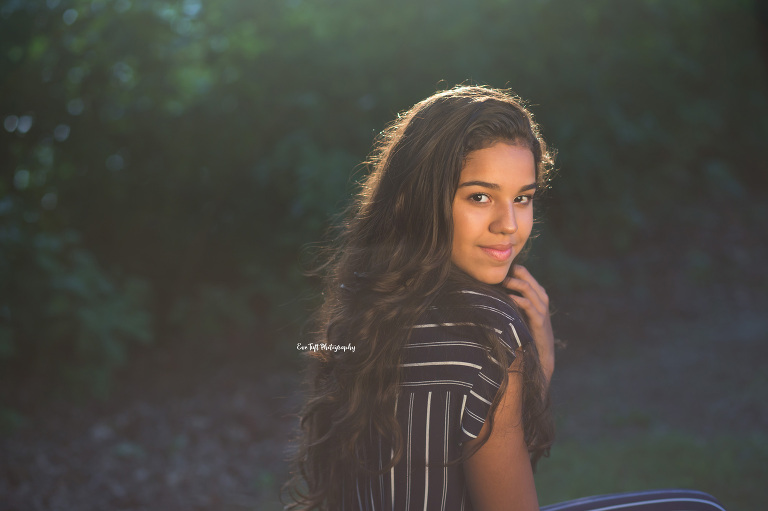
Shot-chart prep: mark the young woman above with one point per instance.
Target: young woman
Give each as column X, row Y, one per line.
column 443, row 402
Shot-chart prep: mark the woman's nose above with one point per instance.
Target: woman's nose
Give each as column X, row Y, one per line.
column 505, row 221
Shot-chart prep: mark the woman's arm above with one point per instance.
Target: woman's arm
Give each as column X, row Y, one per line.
column 499, row 475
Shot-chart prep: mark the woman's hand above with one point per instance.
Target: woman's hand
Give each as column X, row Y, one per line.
column 534, row 302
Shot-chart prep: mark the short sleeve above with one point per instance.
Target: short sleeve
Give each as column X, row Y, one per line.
column 499, row 318
column 477, row 401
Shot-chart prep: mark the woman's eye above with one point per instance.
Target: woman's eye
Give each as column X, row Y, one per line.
column 524, row 199
column 479, row 197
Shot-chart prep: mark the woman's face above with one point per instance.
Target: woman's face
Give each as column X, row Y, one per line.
column 493, row 210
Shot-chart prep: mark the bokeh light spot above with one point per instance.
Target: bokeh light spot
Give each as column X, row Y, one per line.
column 61, row 132
column 49, row 201
column 44, row 154
column 10, row 123
column 123, row 72
column 115, row 163
column 21, row 179
column 75, row 106
column 367, row 102
column 192, row 7
column 6, row 205
column 122, row 6
column 181, row 26
column 25, row 123
column 69, row 16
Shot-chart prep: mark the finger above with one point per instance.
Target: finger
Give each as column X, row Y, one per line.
column 522, row 273
column 517, row 283
column 538, row 322
column 535, row 313
column 526, row 305
column 535, row 318
column 529, row 292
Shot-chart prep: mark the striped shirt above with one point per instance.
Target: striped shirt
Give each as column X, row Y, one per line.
column 449, row 381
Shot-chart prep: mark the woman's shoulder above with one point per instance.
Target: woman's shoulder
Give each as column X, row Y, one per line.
column 450, row 344
column 477, row 307
column 491, row 307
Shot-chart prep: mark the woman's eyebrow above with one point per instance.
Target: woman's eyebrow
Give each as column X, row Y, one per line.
column 494, row 186
column 484, row 184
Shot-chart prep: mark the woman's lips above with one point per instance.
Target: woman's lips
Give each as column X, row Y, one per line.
column 498, row 252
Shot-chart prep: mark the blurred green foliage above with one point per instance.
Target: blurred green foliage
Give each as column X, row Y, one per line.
column 164, row 162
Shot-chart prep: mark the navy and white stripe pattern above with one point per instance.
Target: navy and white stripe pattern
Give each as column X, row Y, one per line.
column 449, row 381
column 652, row 500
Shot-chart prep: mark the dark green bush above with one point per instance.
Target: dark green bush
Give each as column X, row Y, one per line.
column 64, row 318
column 200, row 146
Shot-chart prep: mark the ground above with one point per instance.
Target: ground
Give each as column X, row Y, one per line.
column 176, row 434
column 643, row 398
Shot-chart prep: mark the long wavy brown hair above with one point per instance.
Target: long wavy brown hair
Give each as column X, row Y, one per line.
column 391, row 257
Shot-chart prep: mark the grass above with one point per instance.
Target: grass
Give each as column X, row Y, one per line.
column 675, row 403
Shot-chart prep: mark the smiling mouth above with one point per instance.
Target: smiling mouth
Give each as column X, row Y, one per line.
column 498, row 252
